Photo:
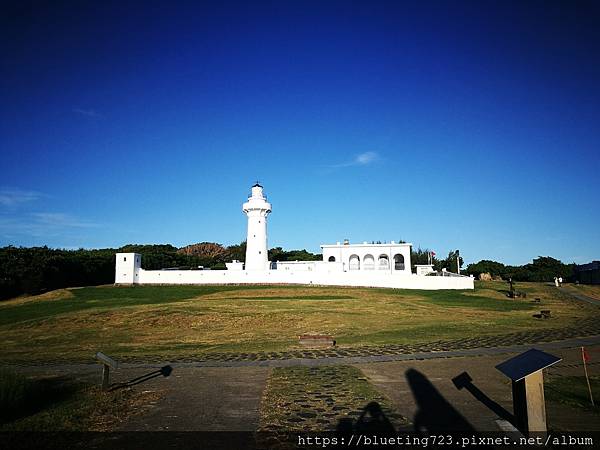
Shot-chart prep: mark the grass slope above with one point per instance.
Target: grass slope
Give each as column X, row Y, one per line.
column 61, row 404
column 172, row 321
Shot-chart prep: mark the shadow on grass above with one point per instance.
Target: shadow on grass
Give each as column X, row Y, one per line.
column 372, row 421
column 21, row 397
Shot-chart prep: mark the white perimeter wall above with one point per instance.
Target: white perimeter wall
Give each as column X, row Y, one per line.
column 318, row 277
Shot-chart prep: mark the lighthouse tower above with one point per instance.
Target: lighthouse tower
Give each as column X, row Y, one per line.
column 257, row 208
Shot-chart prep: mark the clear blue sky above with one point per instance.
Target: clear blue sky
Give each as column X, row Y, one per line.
column 470, row 125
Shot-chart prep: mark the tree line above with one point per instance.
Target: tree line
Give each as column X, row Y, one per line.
column 35, row 270
column 38, row 269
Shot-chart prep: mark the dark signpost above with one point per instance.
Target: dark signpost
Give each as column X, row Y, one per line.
column 525, row 371
column 511, row 292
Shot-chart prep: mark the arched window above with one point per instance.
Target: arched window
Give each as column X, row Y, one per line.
column 331, row 259
column 354, row 263
column 383, row 263
column 398, row 262
column 368, row 262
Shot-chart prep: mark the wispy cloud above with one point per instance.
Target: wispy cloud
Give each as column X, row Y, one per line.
column 87, row 112
column 362, row 159
column 61, row 220
column 11, row 197
column 42, row 225
column 365, row 158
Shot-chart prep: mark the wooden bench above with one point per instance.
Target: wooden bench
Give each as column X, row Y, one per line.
column 316, row 340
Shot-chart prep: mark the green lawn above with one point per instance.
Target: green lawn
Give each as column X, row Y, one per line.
column 173, row 321
column 573, row 391
column 317, row 399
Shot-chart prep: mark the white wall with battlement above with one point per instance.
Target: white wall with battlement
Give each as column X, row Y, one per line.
column 321, row 273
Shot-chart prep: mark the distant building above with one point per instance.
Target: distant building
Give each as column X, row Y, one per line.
column 588, row 273
column 393, row 258
column 343, row 264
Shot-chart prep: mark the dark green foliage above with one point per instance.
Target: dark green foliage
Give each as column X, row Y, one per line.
column 279, row 254
column 421, row 257
column 494, row 268
column 39, row 269
column 450, row 263
column 543, row 268
column 237, row 251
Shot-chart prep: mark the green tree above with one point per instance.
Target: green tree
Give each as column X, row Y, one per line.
column 450, row 263
column 237, row 251
column 421, row 257
column 494, row 268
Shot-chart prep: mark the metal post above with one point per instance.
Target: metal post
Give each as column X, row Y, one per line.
column 105, row 375
column 587, row 378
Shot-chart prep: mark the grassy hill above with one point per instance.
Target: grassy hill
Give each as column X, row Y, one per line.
column 169, row 322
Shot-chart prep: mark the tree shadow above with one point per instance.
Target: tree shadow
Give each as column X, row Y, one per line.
column 434, row 413
column 464, row 381
column 36, row 395
column 164, row 371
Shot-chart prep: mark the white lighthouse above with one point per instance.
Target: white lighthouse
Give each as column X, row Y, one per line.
column 257, row 208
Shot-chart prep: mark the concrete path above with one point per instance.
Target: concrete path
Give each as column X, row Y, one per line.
column 420, row 386
column 578, row 295
column 425, row 393
column 208, row 399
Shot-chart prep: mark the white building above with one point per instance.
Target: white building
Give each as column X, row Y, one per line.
column 343, row 264
column 392, row 258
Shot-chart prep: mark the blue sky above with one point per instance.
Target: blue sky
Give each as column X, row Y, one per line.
column 469, row 125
